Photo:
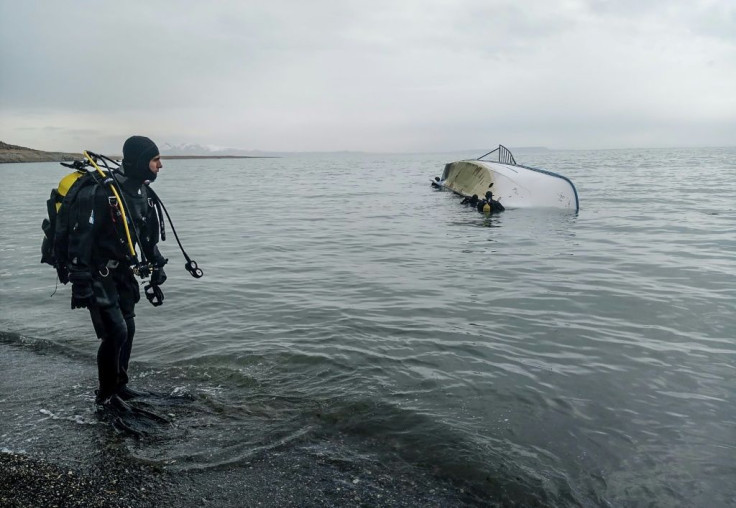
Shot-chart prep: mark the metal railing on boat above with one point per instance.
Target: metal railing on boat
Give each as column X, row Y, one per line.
column 504, row 155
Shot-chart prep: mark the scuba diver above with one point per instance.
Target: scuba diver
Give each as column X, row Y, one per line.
column 95, row 220
column 102, row 265
column 471, row 201
column 491, row 205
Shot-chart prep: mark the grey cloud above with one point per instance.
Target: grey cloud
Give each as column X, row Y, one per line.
column 353, row 75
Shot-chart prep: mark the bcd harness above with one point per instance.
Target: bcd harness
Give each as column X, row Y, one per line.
column 81, row 185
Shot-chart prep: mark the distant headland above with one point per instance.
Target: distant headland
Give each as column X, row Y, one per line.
column 15, row 153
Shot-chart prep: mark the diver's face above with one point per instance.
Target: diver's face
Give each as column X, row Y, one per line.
column 155, row 164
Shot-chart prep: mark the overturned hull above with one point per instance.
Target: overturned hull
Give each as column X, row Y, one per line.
column 515, row 186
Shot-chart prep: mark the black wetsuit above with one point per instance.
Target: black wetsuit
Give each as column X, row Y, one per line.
column 99, row 256
column 496, row 206
column 493, row 204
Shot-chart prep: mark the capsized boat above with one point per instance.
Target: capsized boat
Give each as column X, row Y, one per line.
column 512, row 184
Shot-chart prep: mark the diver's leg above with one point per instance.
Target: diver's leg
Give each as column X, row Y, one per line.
column 125, row 350
column 112, row 332
column 108, row 354
column 129, row 295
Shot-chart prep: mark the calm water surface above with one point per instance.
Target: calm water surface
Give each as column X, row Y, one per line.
column 543, row 357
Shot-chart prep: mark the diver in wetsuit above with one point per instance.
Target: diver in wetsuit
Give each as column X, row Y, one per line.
column 470, row 200
column 100, row 267
column 489, row 205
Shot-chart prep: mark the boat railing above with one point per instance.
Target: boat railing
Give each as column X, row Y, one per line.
column 504, row 155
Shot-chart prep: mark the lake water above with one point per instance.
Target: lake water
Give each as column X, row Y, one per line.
column 533, row 357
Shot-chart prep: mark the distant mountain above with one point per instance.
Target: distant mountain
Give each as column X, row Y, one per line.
column 184, row 149
column 193, row 149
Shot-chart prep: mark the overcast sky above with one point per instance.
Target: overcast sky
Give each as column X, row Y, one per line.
column 373, row 75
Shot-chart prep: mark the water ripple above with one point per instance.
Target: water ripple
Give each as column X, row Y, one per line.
column 557, row 359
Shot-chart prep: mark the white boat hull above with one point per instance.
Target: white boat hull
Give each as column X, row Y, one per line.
column 513, row 185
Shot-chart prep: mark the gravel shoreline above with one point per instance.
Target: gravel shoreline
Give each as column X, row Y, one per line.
column 30, row 482
column 284, row 480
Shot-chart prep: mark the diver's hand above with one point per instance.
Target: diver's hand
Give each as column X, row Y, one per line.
column 158, row 276
column 62, row 272
column 154, row 294
column 82, row 295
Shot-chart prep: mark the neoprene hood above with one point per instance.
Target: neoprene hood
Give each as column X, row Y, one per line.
column 137, row 154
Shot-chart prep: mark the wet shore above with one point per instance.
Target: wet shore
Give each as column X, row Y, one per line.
column 285, row 478
column 56, row 450
column 29, row 482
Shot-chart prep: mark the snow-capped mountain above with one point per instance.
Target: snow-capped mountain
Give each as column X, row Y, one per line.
column 187, row 149
column 208, row 150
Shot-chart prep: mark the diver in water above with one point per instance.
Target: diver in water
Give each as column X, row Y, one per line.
column 436, row 183
column 100, row 268
column 471, row 201
column 492, row 204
